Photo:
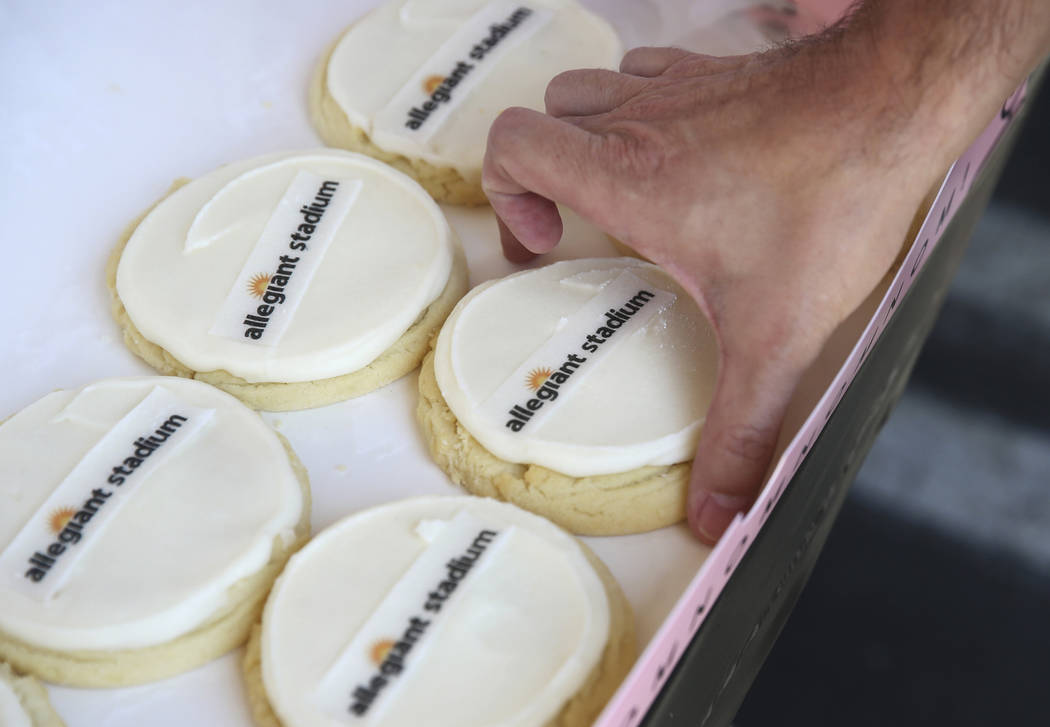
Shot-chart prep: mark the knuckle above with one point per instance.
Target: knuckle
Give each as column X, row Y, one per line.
column 633, row 57
column 550, row 96
column 503, row 144
column 566, row 88
column 511, row 118
column 565, row 81
column 506, row 125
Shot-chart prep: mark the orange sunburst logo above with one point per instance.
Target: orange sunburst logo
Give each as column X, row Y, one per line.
column 257, row 284
column 537, row 377
column 431, row 83
column 59, row 518
column 379, row 650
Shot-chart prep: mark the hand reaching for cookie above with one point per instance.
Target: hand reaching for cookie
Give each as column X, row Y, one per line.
column 776, row 188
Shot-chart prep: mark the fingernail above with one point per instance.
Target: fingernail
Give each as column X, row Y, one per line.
column 713, row 512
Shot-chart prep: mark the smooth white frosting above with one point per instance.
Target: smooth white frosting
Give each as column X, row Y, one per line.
column 12, row 713
column 205, row 518
column 522, row 631
column 390, row 258
column 382, row 51
column 642, row 404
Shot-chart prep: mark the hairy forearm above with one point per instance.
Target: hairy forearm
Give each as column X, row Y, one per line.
column 948, row 65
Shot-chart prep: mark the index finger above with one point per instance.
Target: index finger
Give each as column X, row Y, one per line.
column 534, row 161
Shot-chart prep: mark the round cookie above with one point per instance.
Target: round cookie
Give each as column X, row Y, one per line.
column 142, row 523
column 385, row 616
column 24, row 702
column 291, row 280
column 576, row 391
column 439, row 72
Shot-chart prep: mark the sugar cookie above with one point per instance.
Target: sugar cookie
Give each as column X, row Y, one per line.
column 439, row 72
column 142, row 522
column 291, row 280
column 576, row 391
column 386, row 615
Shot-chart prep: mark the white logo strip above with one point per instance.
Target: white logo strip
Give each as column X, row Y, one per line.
column 558, row 367
column 277, row 274
column 40, row 558
column 461, row 63
column 361, row 682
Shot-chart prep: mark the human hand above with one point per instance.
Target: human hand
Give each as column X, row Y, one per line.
column 776, row 189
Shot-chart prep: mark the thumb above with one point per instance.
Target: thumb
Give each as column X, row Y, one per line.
column 532, row 162
column 737, row 441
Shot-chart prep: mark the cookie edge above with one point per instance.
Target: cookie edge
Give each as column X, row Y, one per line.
column 225, row 631
column 636, row 501
column 402, row 357
column 579, row 711
column 444, row 184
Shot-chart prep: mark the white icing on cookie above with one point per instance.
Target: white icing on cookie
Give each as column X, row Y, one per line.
column 205, row 516
column 11, row 712
column 78, row 512
column 466, row 591
column 584, row 410
column 492, row 54
column 388, row 258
